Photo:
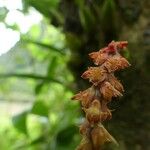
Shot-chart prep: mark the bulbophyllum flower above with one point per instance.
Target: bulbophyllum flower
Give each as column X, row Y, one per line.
column 84, row 128
column 106, row 113
column 85, row 97
column 99, row 57
column 93, row 112
column 95, row 75
column 115, row 83
column 115, row 46
column 116, row 63
column 100, row 136
column 106, row 116
column 103, row 54
column 108, row 91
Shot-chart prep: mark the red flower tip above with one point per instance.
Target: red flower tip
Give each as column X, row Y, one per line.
column 114, row 46
column 122, row 44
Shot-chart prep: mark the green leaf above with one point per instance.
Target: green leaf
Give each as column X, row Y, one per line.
column 43, row 45
column 38, row 140
column 86, row 17
column 43, row 8
column 19, row 122
column 108, row 8
column 108, row 12
column 13, row 27
column 57, row 15
column 80, row 3
column 51, row 67
column 3, row 13
column 29, row 76
column 39, row 86
column 40, row 108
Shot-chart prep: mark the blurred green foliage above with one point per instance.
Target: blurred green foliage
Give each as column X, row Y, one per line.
column 44, row 70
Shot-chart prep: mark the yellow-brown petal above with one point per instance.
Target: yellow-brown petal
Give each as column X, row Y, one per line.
column 116, row 83
column 85, row 97
column 95, row 75
column 85, row 144
column 100, row 136
column 108, row 91
column 93, row 112
column 106, row 113
column 99, row 57
column 105, row 116
column 116, row 63
column 84, row 128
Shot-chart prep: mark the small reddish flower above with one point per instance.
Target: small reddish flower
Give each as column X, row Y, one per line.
column 106, row 113
column 116, row 63
column 95, row 75
column 108, row 91
column 99, row 57
column 100, row 136
column 114, row 82
column 112, row 47
column 93, row 112
column 85, row 97
column 106, row 116
column 115, row 46
column 84, row 128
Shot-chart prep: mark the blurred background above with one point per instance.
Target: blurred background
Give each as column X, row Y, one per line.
column 44, row 48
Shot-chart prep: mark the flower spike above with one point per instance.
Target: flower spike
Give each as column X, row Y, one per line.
column 95, row 99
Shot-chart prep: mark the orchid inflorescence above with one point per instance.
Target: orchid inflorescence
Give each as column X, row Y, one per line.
column 95, row 99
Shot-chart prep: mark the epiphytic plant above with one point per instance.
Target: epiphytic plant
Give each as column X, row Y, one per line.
column 95, row 99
